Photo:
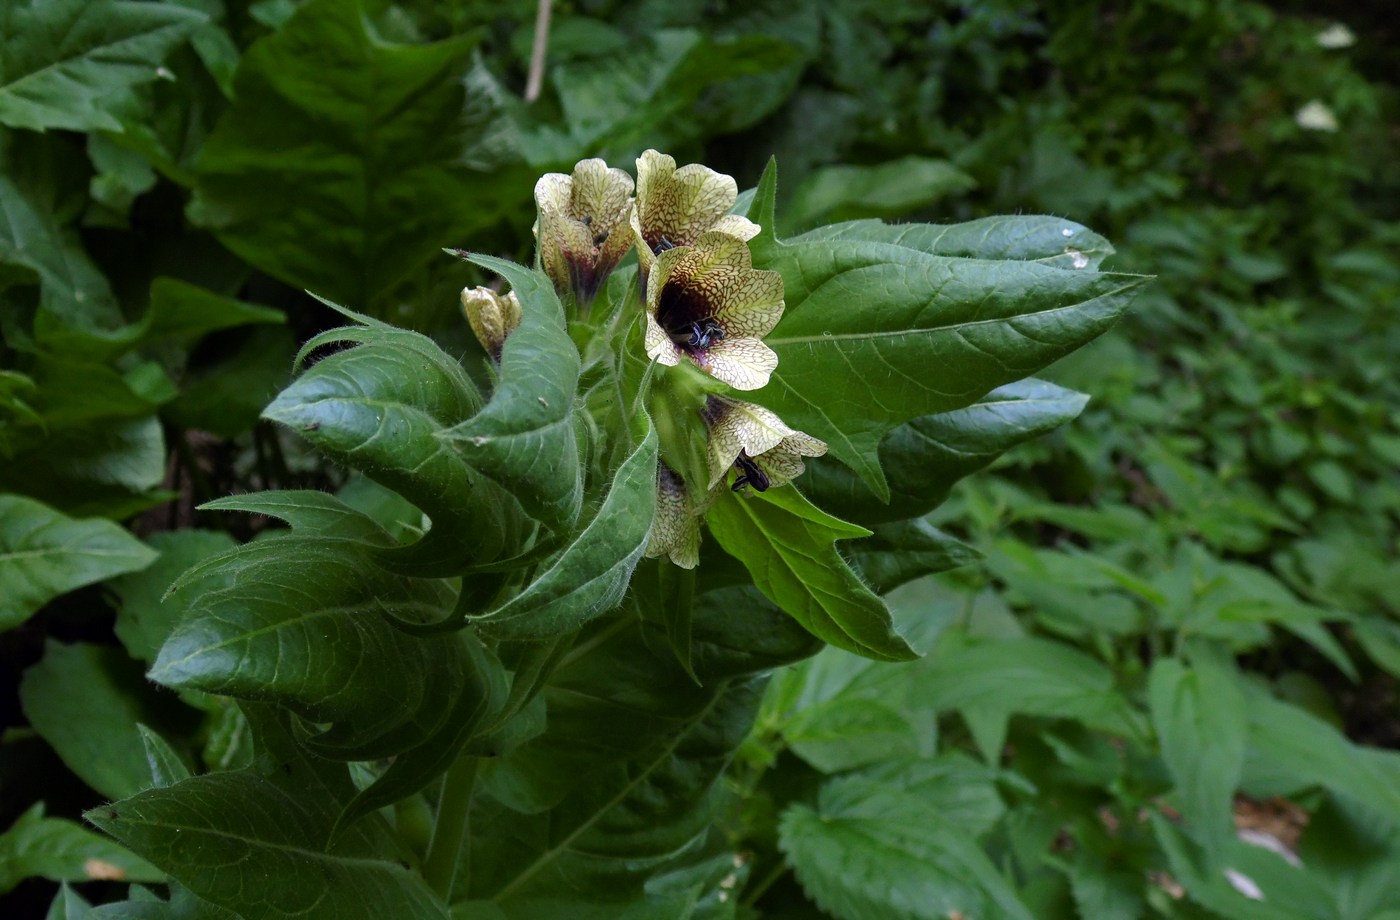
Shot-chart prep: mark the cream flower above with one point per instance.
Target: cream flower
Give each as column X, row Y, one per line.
column 757, row 444
column 582, row 227
column 706, row 302
column 675, row 206
column 492, row 316
column 675, row 532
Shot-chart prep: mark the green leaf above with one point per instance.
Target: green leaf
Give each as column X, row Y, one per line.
column 789, row 547
column 144, row 621
column 44, row 554
column 624, row 779
column 891, row 189
column 318, row 513
column 381, row 408
column 72, row 289
column 86, row 702
column 1025, row 676
column 902, row 551
column 524, row 438
column 1199, row 716
column 68, row 905
column 257, row 848
column 64, row 851
column 1290, row 749
column 387, row 152
column 869, row 850
column 923, row 458
column 305, row 621
column 622, row 101
column 167, row 767
column 588, row 578
column 1030, row 238
column 876, row 334
column 73, row 64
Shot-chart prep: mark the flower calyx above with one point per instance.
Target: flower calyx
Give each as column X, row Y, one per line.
column 675, row 531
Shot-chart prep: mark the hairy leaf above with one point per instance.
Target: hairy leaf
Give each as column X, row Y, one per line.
column 789, row 547
column 524, row 437
column 923, row 458
column 589, row 576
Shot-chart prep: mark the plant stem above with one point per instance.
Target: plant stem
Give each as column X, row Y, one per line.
column 753, row 893
column 535, row 80
column 450, row 827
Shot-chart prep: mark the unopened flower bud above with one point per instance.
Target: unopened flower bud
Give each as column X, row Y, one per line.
column 492, row 316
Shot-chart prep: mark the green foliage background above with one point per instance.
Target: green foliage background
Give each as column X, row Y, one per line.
column 1175, row 618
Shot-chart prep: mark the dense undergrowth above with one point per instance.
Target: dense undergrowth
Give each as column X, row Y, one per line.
column 1161, row 680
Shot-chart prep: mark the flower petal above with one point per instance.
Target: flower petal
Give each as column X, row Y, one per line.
column 659, row 345
column 675, row 206
column 744, row 363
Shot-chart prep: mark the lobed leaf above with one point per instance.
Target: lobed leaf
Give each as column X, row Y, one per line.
column 924, row 457
column 309, row 101
column 524, row 438
column 73, row 64
column 789, row 548
column 254, row 847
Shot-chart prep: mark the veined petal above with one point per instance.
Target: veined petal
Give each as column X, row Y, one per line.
column 714, row 306
column 659, row 345
column 744, row 430
column 583, row 226
column 744, row 363
column 675, row 206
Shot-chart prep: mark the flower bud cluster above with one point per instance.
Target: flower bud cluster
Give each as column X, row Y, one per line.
column 704, row 305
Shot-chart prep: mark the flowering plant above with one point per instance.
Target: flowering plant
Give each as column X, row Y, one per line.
column 688, row 469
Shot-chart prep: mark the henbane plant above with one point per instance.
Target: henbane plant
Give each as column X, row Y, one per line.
column 524, row 707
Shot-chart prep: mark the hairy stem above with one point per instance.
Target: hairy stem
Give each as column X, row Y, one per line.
column 450, row 827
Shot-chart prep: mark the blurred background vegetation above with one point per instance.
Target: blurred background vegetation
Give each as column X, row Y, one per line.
column 1233, row 480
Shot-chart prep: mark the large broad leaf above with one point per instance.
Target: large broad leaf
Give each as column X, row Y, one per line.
column 877, row 333
column 144, row 622
column 71, row 288
column 1290, row 749
column 789, row 547
column 1199, row 716
column 73, row 64
column 626, row 775
column 589, row 576
column 871, row 849
column 44, row 554
column 626, row 101
column 259, row 848
column 302, row 620
column 902, row 551
column 346, row 161
column 923, row 458
column 1025, row 676
column 64, row 851
column 381, row 408
column 524, row 438
column 86, row 702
